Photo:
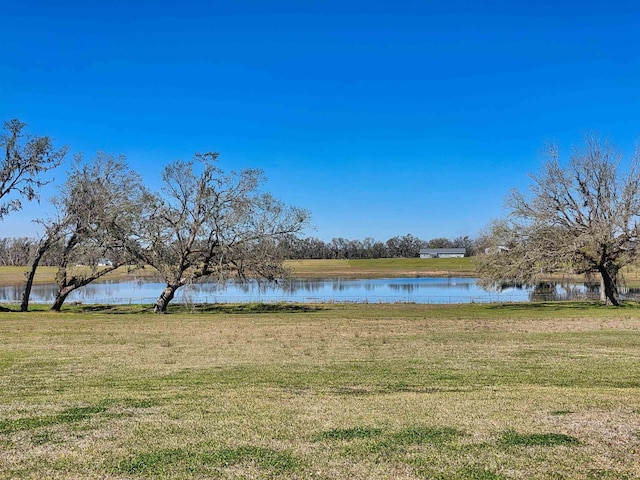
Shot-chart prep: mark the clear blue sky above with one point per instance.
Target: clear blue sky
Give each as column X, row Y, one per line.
column 381, row 117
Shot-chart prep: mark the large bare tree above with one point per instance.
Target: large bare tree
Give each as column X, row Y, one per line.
column 210, row 224
column 97, row 209
column 581, row 217
column 24, row 158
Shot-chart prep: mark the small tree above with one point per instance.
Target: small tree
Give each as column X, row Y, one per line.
column 24, row 158
column 210, row 224
column 96, row 211
column 581, row 217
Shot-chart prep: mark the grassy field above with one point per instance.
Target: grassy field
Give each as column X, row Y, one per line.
column 322, row 391
column 384, row 267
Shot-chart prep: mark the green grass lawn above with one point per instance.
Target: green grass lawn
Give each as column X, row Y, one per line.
column 383, row 267
column 322, row 391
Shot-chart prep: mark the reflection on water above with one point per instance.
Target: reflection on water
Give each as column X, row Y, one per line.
column 385, row 290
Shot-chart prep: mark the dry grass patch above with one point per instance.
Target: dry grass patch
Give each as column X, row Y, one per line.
column 341, row 391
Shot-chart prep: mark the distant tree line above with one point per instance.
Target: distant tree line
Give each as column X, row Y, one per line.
column 20, row 251
column 405, row 246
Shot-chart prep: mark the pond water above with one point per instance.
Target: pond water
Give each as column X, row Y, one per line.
column 384, row 290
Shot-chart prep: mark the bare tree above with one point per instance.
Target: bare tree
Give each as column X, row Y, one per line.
column 96, row 210
column 25, row 158
column 16, row 251
column 581, row 217
column 210, row 224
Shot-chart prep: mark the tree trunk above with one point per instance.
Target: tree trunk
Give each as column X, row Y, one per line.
column 61, row 296
column 65, row 287
column 163, row 301
column 44, row 246
column 24, row 306
column 608, row 289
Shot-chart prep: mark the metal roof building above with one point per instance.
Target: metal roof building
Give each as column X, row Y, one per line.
column 442, row 252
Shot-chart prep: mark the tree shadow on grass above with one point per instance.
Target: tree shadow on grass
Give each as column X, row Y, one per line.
column 79, row 308
column 557, row 306
column 112, row 309
column 253, row 308
column 208, row 308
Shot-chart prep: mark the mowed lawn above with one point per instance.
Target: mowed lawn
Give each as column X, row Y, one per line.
column 322, row 391
column 383, row 267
